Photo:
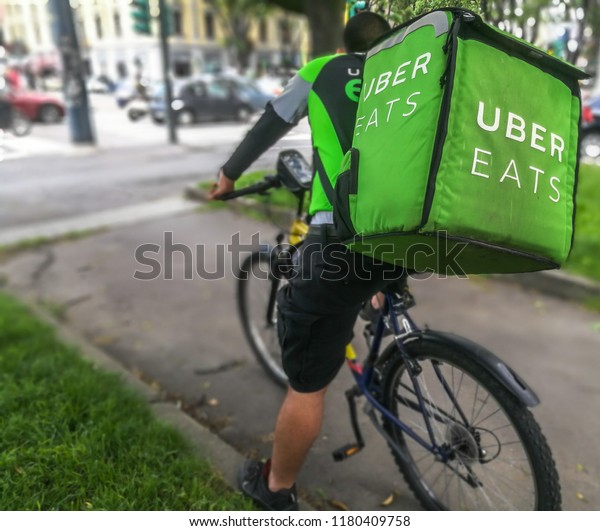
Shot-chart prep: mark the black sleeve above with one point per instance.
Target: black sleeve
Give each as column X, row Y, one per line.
column 268, row 130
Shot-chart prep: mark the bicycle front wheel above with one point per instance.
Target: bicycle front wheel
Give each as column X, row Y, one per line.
column 499, row 458
column 257, row 287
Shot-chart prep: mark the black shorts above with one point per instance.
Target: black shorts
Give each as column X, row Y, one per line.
column 320, row 304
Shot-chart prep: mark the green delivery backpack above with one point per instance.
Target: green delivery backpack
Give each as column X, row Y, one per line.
column 465, row 151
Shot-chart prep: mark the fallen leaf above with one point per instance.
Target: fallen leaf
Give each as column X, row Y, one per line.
column 213, row 402
column 338, row 505
column 206, row 385
column 155, row 385
column 596, row 327
column 580, row 468
column 388, row 500
column 538, row 304
column 581, row 497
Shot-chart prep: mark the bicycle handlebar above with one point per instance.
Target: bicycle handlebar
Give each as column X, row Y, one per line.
column 258, row 188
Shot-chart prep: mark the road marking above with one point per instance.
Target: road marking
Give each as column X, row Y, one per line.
column 103, row 219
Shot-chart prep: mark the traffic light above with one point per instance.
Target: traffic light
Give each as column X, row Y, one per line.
column 140, row 13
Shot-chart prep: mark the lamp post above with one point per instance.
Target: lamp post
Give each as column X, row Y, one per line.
column 74, row 89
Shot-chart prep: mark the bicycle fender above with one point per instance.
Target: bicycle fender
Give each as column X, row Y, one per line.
column 503, row 373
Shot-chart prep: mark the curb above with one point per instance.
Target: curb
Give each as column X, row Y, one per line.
column 206, row 445
column 554, row 283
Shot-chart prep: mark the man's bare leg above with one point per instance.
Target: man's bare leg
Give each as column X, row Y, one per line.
column 298, row 425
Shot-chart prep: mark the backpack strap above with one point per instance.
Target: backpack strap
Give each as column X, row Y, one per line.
column 324, row 178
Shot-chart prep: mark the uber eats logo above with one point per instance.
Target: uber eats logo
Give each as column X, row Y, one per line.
column 518, row 143
column 389, row 108
column 353, row 89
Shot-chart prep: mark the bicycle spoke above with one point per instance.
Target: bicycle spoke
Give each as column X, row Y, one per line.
column 474, row 403
column 490, row 415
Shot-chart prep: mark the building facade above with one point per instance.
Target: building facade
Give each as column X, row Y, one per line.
column 111, row 47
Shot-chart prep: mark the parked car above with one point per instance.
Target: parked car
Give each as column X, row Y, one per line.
column 209, row 99
column 247, row 90
column 590, row 129
column 38, row 106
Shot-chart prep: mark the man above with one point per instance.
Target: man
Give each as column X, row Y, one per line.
column 318, row 308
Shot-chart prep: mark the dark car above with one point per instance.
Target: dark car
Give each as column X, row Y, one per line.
column 590, row 129
column 247, row 90
column 209, row 99
column 37, row 106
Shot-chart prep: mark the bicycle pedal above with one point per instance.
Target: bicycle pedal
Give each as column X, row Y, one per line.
column 346, row 451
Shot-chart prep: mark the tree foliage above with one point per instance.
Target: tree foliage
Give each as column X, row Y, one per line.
column 398, row 11
column 523, row 18
column 235, row 17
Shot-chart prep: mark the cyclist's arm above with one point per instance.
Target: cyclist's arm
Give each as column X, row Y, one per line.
column 281, row 115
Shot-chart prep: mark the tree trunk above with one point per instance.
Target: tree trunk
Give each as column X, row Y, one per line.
column 326, row 21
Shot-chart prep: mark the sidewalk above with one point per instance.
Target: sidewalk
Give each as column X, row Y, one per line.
column 183, row 337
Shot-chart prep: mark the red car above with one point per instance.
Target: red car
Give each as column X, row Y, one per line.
column 38, row 106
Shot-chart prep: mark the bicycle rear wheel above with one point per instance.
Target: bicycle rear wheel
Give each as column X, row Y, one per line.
column 257, row 287
column 499, row 460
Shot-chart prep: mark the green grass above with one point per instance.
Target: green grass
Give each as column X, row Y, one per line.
column 74, row 438
column 277, row 197
column 585, row 256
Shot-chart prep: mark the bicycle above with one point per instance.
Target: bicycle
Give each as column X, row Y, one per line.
column 455, row 417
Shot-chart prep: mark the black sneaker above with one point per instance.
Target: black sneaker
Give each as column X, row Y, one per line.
column 253, row 483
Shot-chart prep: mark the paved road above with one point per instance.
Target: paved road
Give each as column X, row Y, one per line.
column 43, row 177
column 184, row 334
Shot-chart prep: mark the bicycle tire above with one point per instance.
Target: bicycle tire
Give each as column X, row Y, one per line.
column 418, row 470
column 256, row 284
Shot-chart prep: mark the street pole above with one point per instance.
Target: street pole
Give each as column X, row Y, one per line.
column 74, row 89
column 164, row 46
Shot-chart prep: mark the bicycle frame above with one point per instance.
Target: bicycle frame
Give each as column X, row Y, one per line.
column 363, row 374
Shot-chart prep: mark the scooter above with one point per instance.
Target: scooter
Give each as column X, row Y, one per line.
column 137, row 108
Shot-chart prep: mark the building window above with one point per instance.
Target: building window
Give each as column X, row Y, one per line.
column 182, row 68
column 117, row 21
column 209, row 25
column 98, row 22
column 285, row 31
column 177, row 22
column 263, row 30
